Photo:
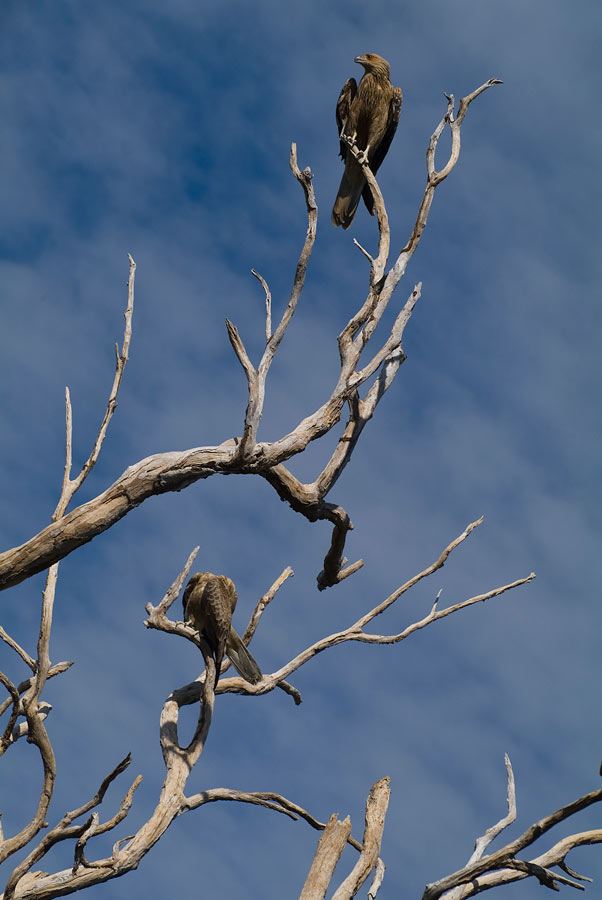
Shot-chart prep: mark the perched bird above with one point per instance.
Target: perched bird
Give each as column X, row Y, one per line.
column 367, row 114
column 209, row 602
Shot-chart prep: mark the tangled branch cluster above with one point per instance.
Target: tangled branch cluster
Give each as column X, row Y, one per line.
column 26, row 711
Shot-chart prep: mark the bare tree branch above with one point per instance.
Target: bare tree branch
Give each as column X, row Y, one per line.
column 268, row 304
column 23, row 686
column 71, row 486
column 502, row 866
column 376, row 810
column 256, row 378
column 174, row 471
column 377, row 880
column 22, row 729
column 483, row 842
column 355, row 632
column 330, row 847
column 245, row 455
column 37, row 735
column 15, row 699
column 64, row 830
column 27, row 659
column 264, row 603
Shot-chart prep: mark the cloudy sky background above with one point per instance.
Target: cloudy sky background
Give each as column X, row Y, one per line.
column 165, row 132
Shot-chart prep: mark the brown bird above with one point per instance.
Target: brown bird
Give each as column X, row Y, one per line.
column 368, row 115
column 209, row 602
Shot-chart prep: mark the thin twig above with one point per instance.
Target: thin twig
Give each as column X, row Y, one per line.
column 483, row 842
column 64, row 830
column 69, row 486
column 263, row 603
column 174, row 471
column 173, row 591
column 56, row 669
column 268, row 304
column 27, row 659
column 14, row 698
column 480, row 871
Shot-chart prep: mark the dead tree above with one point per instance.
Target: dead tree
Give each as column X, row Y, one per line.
column 24, row 711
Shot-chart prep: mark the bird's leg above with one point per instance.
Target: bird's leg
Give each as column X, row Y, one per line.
column 351, row 141
column 362, row 156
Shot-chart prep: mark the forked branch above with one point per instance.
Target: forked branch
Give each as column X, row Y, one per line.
column 483, row 872
column 174, row 471
column 192, row 692
column 29, row 705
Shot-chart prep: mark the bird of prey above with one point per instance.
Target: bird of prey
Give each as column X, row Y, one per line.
column 209, row 602
column 367, row 114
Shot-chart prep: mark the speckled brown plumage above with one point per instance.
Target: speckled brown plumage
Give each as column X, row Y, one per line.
column 209, row 602
column 369, row 113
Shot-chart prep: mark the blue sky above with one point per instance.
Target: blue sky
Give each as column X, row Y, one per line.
column 165, row 132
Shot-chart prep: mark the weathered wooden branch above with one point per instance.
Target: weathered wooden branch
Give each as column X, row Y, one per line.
column 376, row 810
column 268, row 304
column 179, row 760
column 332, row 843
column 27, row 659
column 29, row 706
column 158, row 619
column 174, row 471
column 56, row 669
column 490, row 835
column 483, row 872
column 256, row 378
column 65, row 830
column 15, row 699
column 34, row 714
column 70, row 487
column 263, row 603
column 192, row 692
column 246, row 455
column 330, row 847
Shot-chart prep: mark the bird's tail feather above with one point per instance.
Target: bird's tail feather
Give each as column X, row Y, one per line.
column 348, row 197
column 242, row 660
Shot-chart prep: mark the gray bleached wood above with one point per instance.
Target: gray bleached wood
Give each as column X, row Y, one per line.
column 246, row 455
column 174, row 471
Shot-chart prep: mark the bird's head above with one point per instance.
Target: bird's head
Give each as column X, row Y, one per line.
column 372, row 62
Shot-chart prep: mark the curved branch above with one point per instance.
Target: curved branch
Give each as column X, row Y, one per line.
column 174, row 471
column 256, row 378
column 69, row 486
column 14, row 698
column 502, row 866
column 27, row 659
column 356, row 631
column 37, row 735
column 23, row 686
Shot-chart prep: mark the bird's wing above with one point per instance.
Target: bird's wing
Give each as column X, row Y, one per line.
column 194, row 590
column 342, row 113
column 216, row 612
column 229, row 591
column 216, row 616
column 380, row 152
column 186, row 597
column 392, row 121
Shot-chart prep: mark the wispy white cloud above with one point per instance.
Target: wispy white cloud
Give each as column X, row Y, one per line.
column 165, row 131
